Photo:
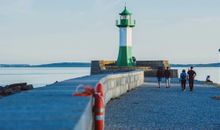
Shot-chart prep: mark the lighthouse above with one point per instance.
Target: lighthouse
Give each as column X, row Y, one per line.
column 125, row 25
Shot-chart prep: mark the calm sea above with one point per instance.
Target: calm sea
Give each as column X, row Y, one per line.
column 43, row 76
column 202, row 73
column 40, row 76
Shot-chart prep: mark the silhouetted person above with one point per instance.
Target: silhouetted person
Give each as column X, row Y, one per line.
column 191, row 75
column 134, row 60
column 159, row 75
column 167, row 76
column 208, row 79
column 183, row 77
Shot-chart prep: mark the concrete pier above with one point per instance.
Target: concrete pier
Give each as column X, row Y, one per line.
column 48, row 108
column 54, row 108
column 151, row 108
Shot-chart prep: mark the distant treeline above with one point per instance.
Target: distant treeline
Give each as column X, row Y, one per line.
column 64, row 64
column 196, row 65
column 80, row 64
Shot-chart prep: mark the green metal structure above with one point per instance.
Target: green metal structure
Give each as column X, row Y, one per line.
column 125, row 29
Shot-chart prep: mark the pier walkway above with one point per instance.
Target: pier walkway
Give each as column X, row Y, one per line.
column 149, row 107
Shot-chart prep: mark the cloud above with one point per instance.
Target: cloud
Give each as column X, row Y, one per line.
column 11, row 7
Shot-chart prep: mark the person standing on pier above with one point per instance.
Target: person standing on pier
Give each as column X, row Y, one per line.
column 159, row 75
column 191, row 75
column 167, row 76
column 183, row 77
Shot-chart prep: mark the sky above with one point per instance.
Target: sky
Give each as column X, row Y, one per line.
column 48, row 31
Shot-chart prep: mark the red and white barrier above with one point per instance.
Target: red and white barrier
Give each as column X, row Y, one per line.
column 99, row 110
column 99, row 107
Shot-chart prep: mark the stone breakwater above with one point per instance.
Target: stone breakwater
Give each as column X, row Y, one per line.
column 54, row 108
column 149, row 67
column 14, row 88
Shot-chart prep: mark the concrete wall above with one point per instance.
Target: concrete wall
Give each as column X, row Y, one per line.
column 149, row 67
column 114, row 86
column 86, row 121
column 99, row 67
column 118, row 84
column 154, row 64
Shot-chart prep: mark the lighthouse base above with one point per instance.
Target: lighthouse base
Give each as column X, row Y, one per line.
column 125, row 57
column 149, row 67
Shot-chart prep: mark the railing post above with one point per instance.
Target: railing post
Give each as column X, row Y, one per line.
column 99, row 107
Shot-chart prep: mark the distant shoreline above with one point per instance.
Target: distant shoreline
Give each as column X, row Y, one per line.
column 63, row 64
column 196, row 65
column 81, row 64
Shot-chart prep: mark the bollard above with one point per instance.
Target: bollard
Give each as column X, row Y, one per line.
column 99, row 108
column 99, row 112
column 100, row 89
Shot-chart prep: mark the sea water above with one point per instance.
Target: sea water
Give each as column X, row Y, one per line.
column 40, row 76
column 202, row 72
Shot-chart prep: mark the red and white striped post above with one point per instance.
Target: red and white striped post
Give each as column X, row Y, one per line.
column 99, row 107
column 100, row 89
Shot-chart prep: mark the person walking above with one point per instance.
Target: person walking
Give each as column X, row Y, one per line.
column 183, row 77
column 159, row 75
column 167, row 76
column 191, row 75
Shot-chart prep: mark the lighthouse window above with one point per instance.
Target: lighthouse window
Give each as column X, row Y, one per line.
column 123, row 17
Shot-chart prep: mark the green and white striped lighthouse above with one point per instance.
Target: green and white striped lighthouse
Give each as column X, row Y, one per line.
column 125, row 31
